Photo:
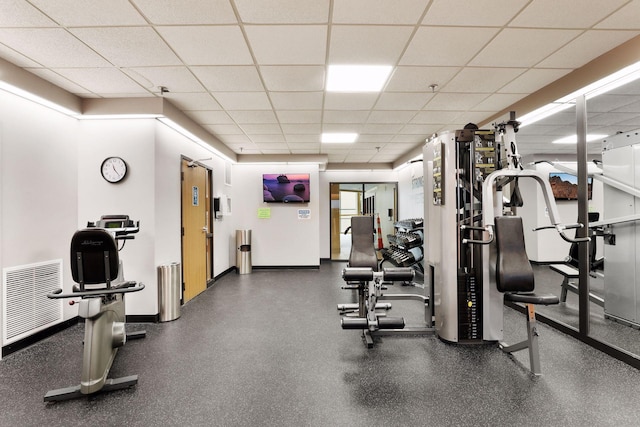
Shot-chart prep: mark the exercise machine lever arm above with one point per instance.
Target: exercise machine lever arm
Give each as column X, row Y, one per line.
column 560, row 229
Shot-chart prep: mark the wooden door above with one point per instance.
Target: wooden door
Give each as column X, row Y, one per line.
column 194, row 229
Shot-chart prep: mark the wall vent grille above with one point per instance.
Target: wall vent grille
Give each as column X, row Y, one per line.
column 26, row 308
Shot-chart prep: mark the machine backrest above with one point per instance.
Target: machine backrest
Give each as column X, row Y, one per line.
column 94, row 256
column 513, row 269
column 593, row 248
column 363, row 251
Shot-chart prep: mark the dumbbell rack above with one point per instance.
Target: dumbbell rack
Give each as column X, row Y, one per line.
column 405, row 246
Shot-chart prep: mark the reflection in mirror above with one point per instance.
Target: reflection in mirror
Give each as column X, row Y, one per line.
column 614, row 307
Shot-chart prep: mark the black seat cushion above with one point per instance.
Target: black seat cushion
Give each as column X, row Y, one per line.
column 513, row 269
column 531, row 298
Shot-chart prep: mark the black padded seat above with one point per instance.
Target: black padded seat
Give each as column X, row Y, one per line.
column 531, row 298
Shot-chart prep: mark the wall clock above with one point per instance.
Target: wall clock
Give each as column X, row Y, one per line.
column 113, row 169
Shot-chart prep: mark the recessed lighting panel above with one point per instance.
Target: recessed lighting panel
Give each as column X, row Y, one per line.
column 357, row 78
column 338, row 137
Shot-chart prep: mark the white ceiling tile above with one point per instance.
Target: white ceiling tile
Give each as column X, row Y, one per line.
column 236, row 139
column 565, row 14
column 261, row 129
column 283, row 11
column 528, row 47
column 102, row 80
column 296, row 100
column 301, row 128
column 471, row 13
column 293, row 78
column 224, row 129
column 51, row 47
column 391, row 116
column 301, row 138
column 397, row 147
column 243, row 100
column 176, row 79
column 68, row 13
column 115, row 44
column 402, row 100
column 303, row 145
column 290, row 44
column 455, row 101
column 367, row 44
column 533, row 79
column 269, row 138
column 418, row 79
column 413, row 139
column 193, row 101
column 19, row 13
column 586, row 47
column 219, row 45
column 349, row 101
column 191, row 12
column 16, row 58
column 59, row 81
column 298, row 116
column 260, row 116
column 423, row 130
column 481, row 80
column 454, row 46
column 229, row 78
column 211, row 117
column 625, row 18
column 435, row 117
column 349, row 116
column 378, row 11
column 374, row 128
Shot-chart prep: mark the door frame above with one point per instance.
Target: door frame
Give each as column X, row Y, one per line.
column 362, row 184
column 210, row 275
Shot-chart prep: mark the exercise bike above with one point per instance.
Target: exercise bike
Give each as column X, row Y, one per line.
column 101, row 287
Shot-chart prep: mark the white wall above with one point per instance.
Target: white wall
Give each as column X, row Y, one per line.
column 38, row 185
column 133, row 140
column 283, row 239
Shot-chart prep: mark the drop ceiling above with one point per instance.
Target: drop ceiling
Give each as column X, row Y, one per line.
column 252, row 73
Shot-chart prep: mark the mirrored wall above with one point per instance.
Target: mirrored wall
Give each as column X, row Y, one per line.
column 612, row 313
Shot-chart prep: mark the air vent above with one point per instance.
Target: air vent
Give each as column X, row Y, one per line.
column 26, row 308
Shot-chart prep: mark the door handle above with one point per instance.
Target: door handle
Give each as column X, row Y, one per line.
column 205, row 229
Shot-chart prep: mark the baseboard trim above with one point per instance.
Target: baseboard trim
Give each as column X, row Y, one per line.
column 38, row 336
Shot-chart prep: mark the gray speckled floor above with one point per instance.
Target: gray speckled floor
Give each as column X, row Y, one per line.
column 266, row 349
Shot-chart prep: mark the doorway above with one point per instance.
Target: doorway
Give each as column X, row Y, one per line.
column 379, row 200
column 197, row 230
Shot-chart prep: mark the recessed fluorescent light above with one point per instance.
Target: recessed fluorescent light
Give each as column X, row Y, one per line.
column 572, row 139
column 337, row 138
column 357, row 78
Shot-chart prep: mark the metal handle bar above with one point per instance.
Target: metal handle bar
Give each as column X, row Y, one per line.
column 57, row 294
column 560, row 229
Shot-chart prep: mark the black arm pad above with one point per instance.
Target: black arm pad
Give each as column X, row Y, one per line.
column 357, row 274
column 397, row 274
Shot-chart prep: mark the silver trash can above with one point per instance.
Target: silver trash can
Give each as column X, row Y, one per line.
column 243, row 252
column 169, row 291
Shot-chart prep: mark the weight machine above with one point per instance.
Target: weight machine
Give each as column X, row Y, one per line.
column 473, row 176
column 363, row 274
column 101, row 287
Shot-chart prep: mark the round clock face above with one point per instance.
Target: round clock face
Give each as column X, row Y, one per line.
column 113, row 169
